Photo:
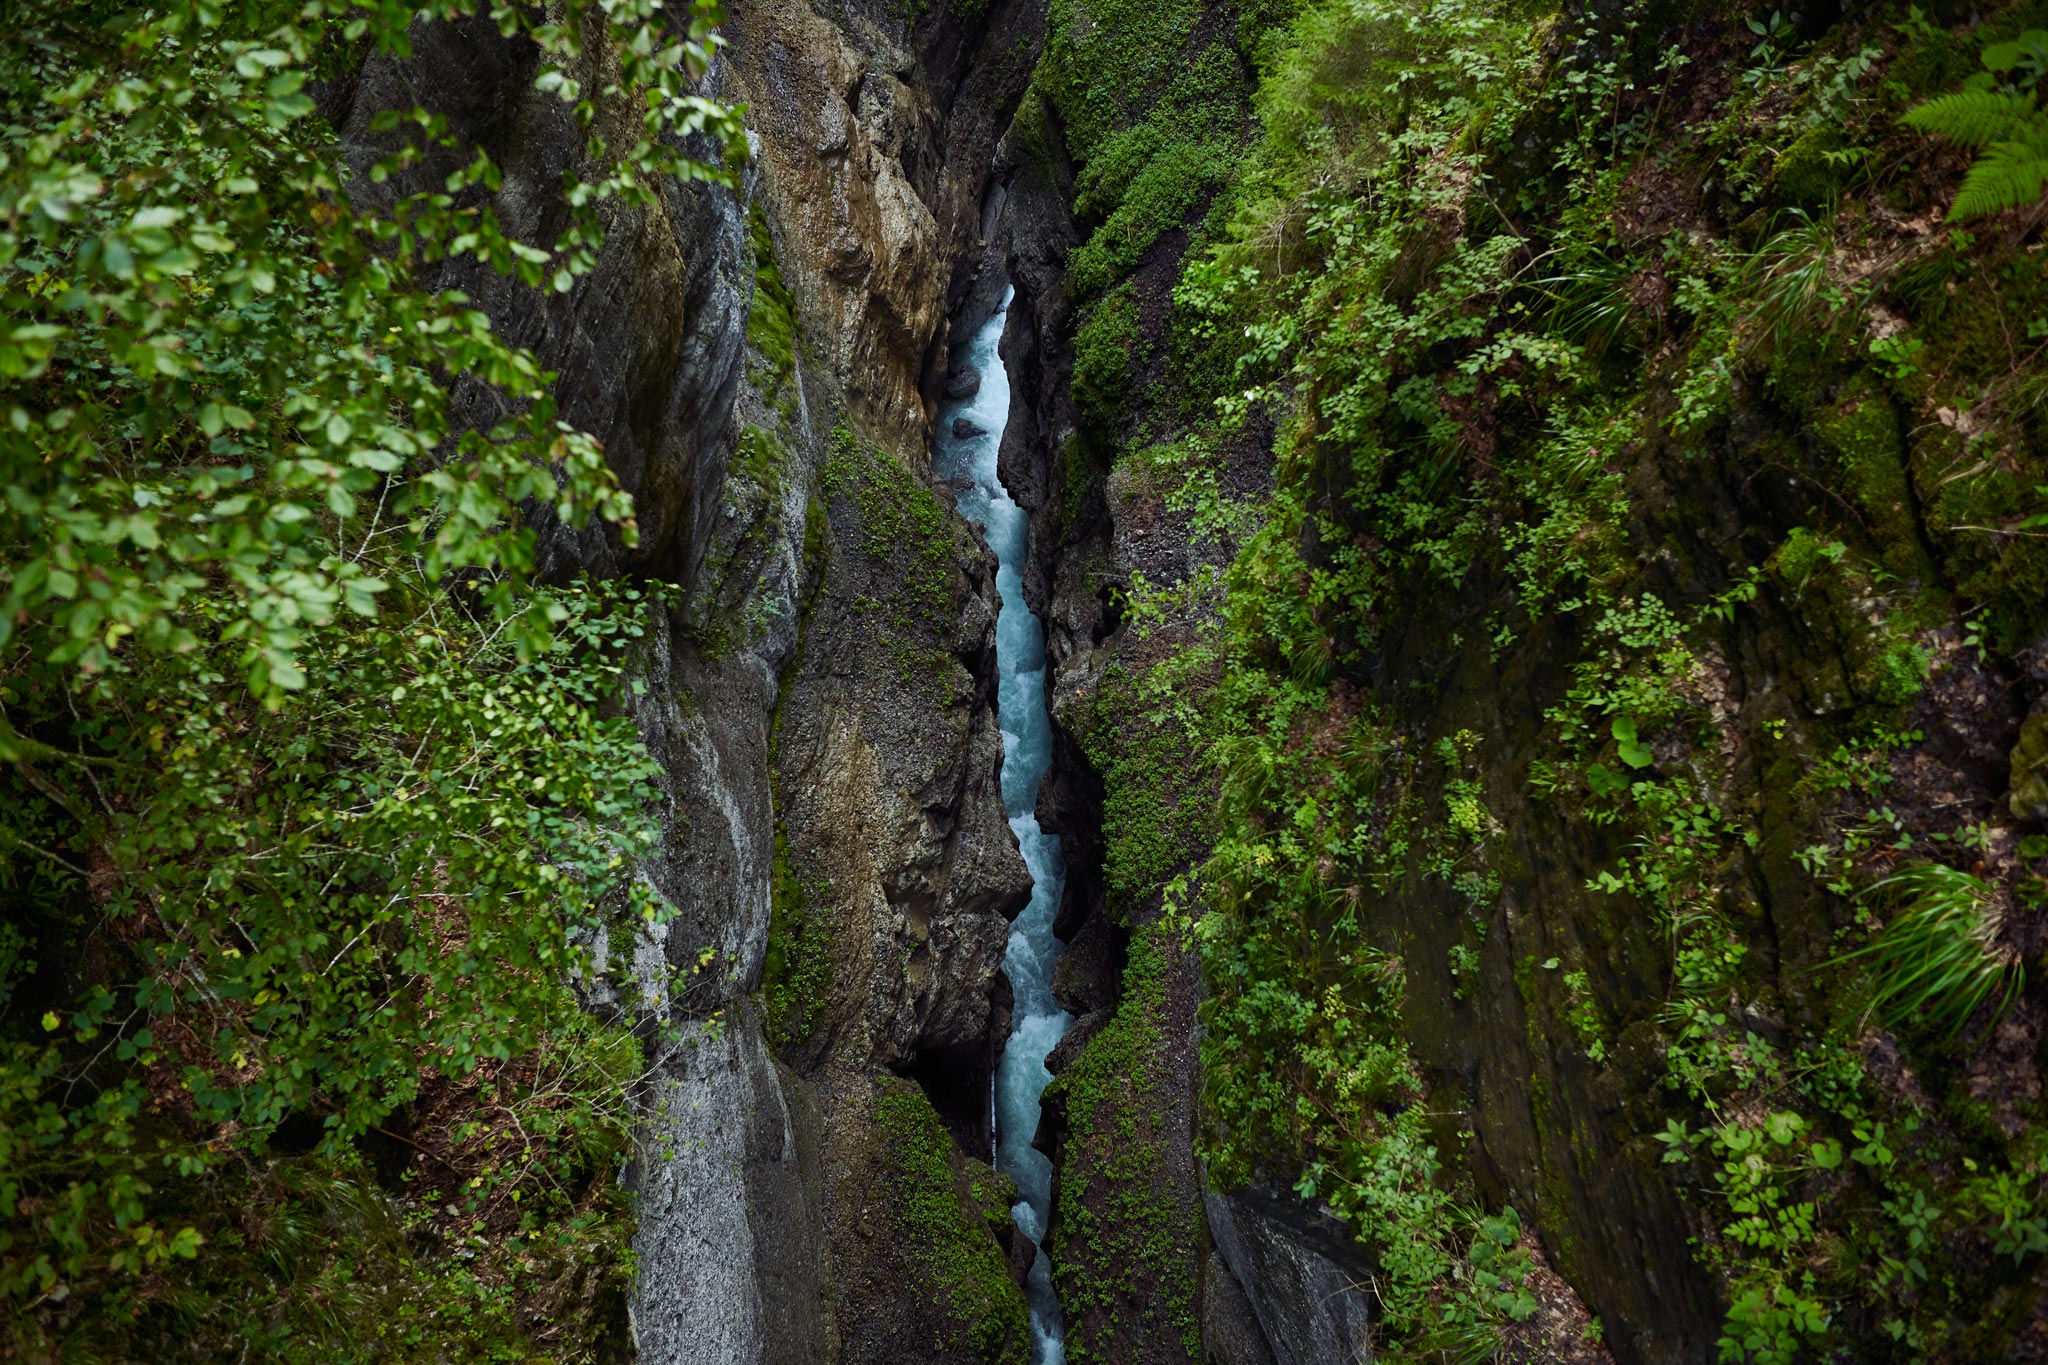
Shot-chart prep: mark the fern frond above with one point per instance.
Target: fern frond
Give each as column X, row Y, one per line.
column 2007, row 175
column 1976, row 118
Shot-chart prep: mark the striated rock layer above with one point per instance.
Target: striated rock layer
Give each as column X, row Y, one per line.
column 817, row 680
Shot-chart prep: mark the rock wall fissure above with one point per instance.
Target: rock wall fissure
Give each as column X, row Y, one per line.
column 971, row 430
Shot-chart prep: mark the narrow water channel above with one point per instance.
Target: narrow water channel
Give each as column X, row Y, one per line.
column 1021, row 1076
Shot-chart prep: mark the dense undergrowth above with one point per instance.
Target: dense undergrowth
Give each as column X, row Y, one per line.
column 1528, row 300
column 313, row 795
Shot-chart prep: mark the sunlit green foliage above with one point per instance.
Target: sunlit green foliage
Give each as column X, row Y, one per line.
column 314, row 794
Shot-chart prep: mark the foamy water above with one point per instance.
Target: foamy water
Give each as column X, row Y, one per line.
column 1039, row 1022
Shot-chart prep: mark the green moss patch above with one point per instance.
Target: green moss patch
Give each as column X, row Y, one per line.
column 1127, row 1246
column 771, row 321
column 912, row 542
column 796, row 972
column 1158, row 782
column 946, row 1232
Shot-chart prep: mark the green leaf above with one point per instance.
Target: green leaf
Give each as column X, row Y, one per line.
column 1632, row 753
column 1974, row 118
column 1604, row 780
column 2008, row 175
column 282, row 112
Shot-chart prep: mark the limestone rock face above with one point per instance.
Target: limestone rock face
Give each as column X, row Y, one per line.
column 833, row 121
column 730, row 1242
column 875, row 138
column 762, row 368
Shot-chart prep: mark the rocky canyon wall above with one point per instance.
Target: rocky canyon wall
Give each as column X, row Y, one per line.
column 762, row 363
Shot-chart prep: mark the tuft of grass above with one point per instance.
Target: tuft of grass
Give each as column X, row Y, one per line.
column 1469, row 1342
column 1792, row 280
column 1590, row 305
column 1939, row 958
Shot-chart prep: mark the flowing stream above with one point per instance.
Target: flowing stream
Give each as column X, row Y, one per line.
column 1027, row 752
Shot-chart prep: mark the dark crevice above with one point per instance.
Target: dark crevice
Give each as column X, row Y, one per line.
column 956, row 1080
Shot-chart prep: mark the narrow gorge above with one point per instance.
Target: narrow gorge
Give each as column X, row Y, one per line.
column 968, row 463
column 1009, row 682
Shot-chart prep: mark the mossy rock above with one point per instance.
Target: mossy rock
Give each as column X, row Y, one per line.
column 2029, row 792
column 995, row 1194
column 1807, row 174
column 1863, row 435
column 1127, row 1237
column 941, row 1203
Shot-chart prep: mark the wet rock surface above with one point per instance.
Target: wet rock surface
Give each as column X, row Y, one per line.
column 964, row 382
column 1301, row 1275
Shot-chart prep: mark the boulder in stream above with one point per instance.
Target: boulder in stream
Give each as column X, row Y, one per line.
column 963, row 382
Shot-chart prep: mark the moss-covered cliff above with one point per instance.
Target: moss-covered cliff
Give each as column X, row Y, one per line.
column 727, row 1118
column 1539, row 516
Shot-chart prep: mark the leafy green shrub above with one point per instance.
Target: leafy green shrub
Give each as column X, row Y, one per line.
column 1427, row 274
column 314, row 796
